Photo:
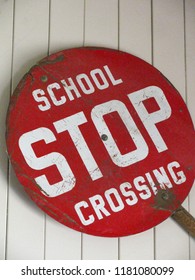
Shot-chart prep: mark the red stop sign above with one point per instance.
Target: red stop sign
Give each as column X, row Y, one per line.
column 95, row 135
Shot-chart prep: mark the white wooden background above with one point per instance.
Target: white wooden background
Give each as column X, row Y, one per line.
column 161, row 32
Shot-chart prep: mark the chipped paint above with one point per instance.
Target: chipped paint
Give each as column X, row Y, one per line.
column 52, row 59
column 99, row 142
column 165, row 200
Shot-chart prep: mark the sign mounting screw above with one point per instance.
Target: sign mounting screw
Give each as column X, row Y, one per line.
column 44, row 78
column 104, row 137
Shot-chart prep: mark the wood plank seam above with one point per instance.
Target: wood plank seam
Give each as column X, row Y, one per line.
column 8, row 162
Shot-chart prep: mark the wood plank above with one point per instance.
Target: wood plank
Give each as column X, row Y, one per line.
column 66, row 25
column 168, row 56
column 101, row 23
column 61, row 242
column 66, row 31
column 135, row 38
column 168, row 35
column 6, row 29
column 101, row 29
column 135, row 28
column 25, row 220
column 190, row 68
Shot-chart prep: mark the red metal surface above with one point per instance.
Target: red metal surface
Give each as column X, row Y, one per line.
column 99, row 139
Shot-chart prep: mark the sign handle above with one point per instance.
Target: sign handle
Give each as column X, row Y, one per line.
column 184, row 219
column 165, row 200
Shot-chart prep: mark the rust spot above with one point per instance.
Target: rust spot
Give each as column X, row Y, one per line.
column 52, row 210
column 72, row 221
column 35, row 196
column 104, row 137
column 35, row 183
column 22, row 83
column 44, row 78
column 189, row 168
column 49, row 211
column 51, row 59
column 165, row 200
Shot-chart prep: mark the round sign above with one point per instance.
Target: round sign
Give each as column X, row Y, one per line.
column 101, row 141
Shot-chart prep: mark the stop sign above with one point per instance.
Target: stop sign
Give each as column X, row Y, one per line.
column 97, row 137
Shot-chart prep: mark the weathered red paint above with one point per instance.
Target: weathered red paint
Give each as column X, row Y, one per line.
column 122, row 195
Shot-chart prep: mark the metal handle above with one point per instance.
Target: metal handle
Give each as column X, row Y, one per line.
column 185, row 219
column 165, row 200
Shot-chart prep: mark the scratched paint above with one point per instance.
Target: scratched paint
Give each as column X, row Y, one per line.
column 96, row 136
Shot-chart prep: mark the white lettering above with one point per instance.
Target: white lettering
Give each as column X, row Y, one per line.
column 162, row 178
column 140, row 185
column 151, row 119
column 113, row 192
column 52, row 95
column 78, row 206
column 99, row 206
column 94, row 74
column 153, row 185
column 178, row 177
column 71, row 124
column 125, row 189
column 70, row 88
column 97, row 115
column 86, row 83
column 115, row 201
column 38, row 163
column 84, row 78
column 39, row 96
column 112, row 79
